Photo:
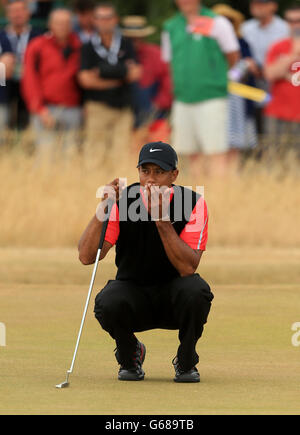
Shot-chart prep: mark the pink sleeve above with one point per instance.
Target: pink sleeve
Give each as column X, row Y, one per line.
column 113, row 229
column 195, row 234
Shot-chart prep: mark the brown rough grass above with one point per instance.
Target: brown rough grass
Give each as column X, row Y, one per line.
column 51, row 206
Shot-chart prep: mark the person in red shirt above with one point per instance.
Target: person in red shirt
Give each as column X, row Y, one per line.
column 283, row 71
column 50, row 86
column 153, row 95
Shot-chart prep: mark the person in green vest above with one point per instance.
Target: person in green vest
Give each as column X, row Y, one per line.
column 201, row 47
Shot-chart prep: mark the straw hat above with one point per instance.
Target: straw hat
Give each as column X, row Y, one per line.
column 233, row 15
column 135, row 26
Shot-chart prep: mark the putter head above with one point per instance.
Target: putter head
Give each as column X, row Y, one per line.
column 63, row 385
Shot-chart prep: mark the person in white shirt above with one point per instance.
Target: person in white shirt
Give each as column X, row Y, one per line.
column 261, row 32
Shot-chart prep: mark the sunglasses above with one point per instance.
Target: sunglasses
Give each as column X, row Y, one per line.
column 104, row 17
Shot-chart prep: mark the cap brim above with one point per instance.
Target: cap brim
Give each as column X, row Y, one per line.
column 159, row 163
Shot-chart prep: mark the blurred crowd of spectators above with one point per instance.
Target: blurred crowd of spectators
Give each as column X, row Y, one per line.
column 92, row 72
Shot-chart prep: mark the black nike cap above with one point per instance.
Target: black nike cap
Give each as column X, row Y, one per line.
column 160, row 154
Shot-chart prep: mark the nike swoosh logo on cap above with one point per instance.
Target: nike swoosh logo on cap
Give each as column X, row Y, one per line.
column 154, row 151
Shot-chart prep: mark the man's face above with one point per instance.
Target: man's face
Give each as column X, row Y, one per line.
column 18, row 14
column 188, row 6
column 61, row 24
column 86, row 19
column 293, row 18
column 261, row 11
column 105, row 20
column 153, row 175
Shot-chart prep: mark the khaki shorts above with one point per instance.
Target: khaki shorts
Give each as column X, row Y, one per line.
column 200, row 128
column 107, row 127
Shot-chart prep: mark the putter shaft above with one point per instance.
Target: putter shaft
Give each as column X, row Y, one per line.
column 82, row 322
column 103, row 233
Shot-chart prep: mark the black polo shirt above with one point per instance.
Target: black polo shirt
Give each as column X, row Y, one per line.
column 117, row 97
column 140, row 254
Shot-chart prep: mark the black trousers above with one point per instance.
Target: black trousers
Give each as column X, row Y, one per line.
column 123, row 308
column 19, row 115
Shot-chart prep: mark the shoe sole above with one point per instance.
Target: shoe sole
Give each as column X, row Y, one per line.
column 187, row 381
column 132, row 377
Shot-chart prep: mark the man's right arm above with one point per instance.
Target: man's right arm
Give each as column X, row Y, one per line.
column 32, row 90
column 89, row 75
column 90, row 80
column 166, row 47
column 89, row 243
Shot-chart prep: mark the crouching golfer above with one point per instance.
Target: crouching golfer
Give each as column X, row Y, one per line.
column 160, row 233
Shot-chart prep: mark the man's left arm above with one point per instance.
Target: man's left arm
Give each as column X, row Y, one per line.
column 185, row 250
column 185, row 259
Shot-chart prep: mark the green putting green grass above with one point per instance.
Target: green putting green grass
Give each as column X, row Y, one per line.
column 247, row 362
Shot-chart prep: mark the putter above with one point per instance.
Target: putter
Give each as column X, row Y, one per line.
column 66, row 384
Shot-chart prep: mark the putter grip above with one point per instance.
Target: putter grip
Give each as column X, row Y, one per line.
column 110, row 204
